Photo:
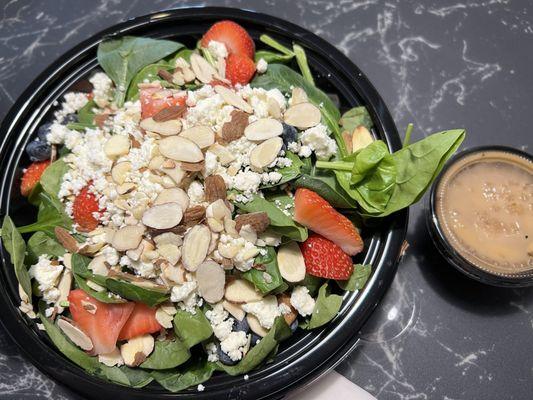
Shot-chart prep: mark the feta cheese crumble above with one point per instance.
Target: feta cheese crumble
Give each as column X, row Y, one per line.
column 302, row 301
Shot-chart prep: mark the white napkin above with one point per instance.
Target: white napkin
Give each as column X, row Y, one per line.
column 331, row 386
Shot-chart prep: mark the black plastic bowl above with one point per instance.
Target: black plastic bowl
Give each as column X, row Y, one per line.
column 304, row 356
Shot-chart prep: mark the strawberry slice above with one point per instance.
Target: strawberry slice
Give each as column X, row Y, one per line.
column 142, row 321
column 104, row 325
column 234, row 36
column 31, row 176
column 325, row 259
column 84, row 207
column 154, row 100
column 317, row 214
column 239, row 69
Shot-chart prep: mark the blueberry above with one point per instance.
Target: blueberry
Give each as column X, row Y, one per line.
column 239, row 326
column 294, row 326
column 38, row 150
column 70, row 118
column 289, row 134
column 254, row 340
column 43, row 130
column 223, row 357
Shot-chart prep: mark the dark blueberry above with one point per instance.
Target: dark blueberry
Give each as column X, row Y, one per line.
column 38, row 150
column 70, row 118
column 223, row 357
column 294, row 326
column 239, row 326
column 289, row 134
column 254, row 340
column 43, row 130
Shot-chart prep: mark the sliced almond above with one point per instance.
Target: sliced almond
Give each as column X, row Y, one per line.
column 361, row 138
column 89, row 307
column 195, row 245
column 125, row 188
column 298, row 96
column 180, row 149
column 164, row 319
column 255, row 326
column 136, row 350
column 265, row 154
column 263, row 129
column 202, row 69
column 127, row 238
column 218, row 210
column 78, row 337
column 176, row 174
column 89, row 249
column 120, row 171
column 234, row 129
column 64, row 285
column 137, row 281
column 194, row 215
column 111, row 359
column 156, row 162
column 98, row 266
column 291, row 262
column 273, row 108
column 116, row 146
column 170, row 252
column 163, row 216
column 95, row 286
column 290, row 317
column 175, row 274
column 302, row 115
column 168, row 238
column 166, row 128
column 192, row 167
column 211, row 280
column 233, row 99
column 170, row 113
column 235, row 310
column 241, row 291
column 202, row 135
column 259, row 221
column 68, row 241
column 173, row 195
column 347, row 139
column 215, row 188
column 223, row 154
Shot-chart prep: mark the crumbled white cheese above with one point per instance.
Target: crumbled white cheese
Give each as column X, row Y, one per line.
column 73, row 101
column 111, row 255
column 102, row 89
column 181, row 292
column 211, row 349
column 211, row 164
column 318, row 140
column 217, row 49
column 145, row 270
column 261, row 66
column 47, row 276
column 302, row 301
column 200, row 388
column 196, row 193
column 234, row 345
column 266, row 310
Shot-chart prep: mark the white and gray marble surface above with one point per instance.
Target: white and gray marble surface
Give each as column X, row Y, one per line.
column 439, row 64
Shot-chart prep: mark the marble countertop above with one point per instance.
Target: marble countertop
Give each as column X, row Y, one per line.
column 439, row 64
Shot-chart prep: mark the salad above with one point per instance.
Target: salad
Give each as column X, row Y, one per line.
column 198, row 206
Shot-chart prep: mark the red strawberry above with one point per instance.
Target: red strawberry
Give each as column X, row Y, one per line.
column 325, row 259
column 317, row 214
column 239, row 69
column 104, row 325
column 234, row 36
column 154, row 100
column 83, row 208
column 31, row 176
column 142, row 321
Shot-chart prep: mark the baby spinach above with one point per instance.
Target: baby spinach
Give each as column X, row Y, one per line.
column 192, row 328
column 355, row 117
column 80, row 126
column 276, row 45
column 272, row 57
column 16, row 247
column 327, row 306
column 131, row 291
column 290, row 172
column 326, row 185
column 167, row 354
column 122, row 58
column 257, row 277
column 279, row 222
column 40, row 243
column 312, row 283
column 193, row 373
column 257, row 354
column 80, row 266
column 284, row 78
column 301, row 59
column 51, row 214
column 86, row 114
column 104, row 296
column 360, row 275
column 53, row 176
column 150, row 73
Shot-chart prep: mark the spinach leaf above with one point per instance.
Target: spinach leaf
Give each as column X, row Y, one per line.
column 103, row 296
column 192, row 374
column 131, row 291
column 276, row 45
column 279, row 222
column 167, row 354
column 357, row 280
column 326, row 185
column 257, row 354
column 122, row 375
column 289, row 173
column 80, row 266
column 183, row 53
column 326, row 308
column 122, row 58
column 149, row 73
column 40, row 243
column 86, row 114
column 272, row 57
column 16, row 247
column 80, row 126
column 269, row 261
column 53, row 176
column 355, row 117
column 312, row 283
column 301, row 59
column 192, row 328
column 51, row 214
column 366, row 159
column 284, row 78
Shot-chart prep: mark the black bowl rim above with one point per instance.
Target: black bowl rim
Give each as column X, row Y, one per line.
column 271, row 381
column 443, row 244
